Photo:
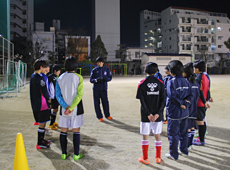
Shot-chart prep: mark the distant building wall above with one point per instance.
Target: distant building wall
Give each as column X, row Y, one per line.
column 106, row 23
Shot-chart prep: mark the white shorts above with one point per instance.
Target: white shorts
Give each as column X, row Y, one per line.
column 146, row 127
column 71, row 121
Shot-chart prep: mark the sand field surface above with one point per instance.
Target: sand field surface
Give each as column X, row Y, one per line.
column 115, row 144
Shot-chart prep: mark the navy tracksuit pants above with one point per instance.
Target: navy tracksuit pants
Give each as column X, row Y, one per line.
column 177, row 131
column 97, row 95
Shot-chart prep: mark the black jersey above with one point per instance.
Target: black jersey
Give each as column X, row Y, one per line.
column 151, row 92
column 38, row 93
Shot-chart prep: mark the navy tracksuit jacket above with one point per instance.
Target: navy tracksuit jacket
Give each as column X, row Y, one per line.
column 99, row 77
column 178, row 89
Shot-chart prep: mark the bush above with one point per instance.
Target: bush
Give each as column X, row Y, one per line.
column 216, row 70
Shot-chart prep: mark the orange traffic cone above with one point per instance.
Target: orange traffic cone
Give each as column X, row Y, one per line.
column 20, row 160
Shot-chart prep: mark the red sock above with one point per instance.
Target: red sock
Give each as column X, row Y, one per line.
column 158, row 148
column 145, row 148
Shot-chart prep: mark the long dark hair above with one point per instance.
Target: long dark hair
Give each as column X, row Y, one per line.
column 188, row 69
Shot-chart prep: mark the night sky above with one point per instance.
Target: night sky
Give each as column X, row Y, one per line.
column 76, row 14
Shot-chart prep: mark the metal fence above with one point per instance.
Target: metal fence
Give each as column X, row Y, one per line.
column 12, row 74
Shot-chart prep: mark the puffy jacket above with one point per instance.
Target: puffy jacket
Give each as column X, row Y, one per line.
column 99, row 77
column 178, row 90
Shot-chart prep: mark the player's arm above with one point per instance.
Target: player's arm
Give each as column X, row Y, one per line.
column 108, row 76
column 141, row 98
column 43, row 88
column 93, row 78
column 171, row 93
column 162, row 100
column 59, row 96
column 79, row 95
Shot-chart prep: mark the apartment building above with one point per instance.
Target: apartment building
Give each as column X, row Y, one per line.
column 21, row 18
column 150, row 29
column 194, row 31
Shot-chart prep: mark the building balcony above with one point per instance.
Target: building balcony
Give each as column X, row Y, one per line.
column 17, row 30
column 185, row 39
column 17, row 3
column 16, row 21
column 17, row 12
column 185, row 49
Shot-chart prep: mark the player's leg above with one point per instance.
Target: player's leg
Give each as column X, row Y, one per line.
column 43, row 117
column 157, row 130
column 76, row 123
column 96, row 98
column 184, row 136
column 202, row 126
column 105, row 103
column 64, row 123
column 173, row 130
column 145, row 131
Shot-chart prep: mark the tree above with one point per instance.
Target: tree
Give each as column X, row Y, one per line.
column 227, row 44
column 98, row 50
column 38, row 50
column 52, row 56
column 77, row 43
column 204, row 53
column 122, row 52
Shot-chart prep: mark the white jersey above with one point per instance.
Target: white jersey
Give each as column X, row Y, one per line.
column 70, row 86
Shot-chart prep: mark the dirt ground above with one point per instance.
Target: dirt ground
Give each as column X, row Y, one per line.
column 116, row 144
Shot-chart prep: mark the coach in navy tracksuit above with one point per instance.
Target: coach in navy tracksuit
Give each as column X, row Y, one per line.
column 99, row 77
column 179, row 96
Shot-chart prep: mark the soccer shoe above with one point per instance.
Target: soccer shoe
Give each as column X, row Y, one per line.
column 165, row 122
column 169, row 156
column 144, row 161
column 181, row 153
column 55, row 124
column 198, row 143
column 77, row 157
column 47, row 141
column 35, row 123
column 64, row 156
column 190, row 148
column 53, row 127
column 158, row 160
column 42, row 146
column 110, row 118
column 101, row 119
column 48, row 132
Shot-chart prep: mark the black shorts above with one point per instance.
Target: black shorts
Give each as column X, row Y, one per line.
column 191, row 123
column 54, row 103
column 42, row 116
column 201, row 113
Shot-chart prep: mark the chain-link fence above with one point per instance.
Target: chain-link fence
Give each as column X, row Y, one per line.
column 12, row 74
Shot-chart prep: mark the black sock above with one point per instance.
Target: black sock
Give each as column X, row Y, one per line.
column 41, row 134
column 192, row 135
column 76, row 142
column 63, row 142
column 202, row 130
column 53, row 118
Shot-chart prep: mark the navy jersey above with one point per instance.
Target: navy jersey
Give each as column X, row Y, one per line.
column 193, row 107
column 166, row 78
column 100, row 72
column 151, row 92
column 158, row 76
column 178, row 90
column 38, row 93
